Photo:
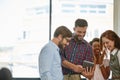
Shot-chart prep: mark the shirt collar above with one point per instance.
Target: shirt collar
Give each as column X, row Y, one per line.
column 56, row 46
column 82, row 41
column 114, row 51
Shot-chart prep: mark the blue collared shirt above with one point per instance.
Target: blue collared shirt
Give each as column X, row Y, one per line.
column 50, row 62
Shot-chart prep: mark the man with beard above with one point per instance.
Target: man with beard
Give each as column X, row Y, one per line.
column 76, row 52
column 49, row 58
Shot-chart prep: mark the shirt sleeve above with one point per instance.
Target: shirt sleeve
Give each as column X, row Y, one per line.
column 45, row 63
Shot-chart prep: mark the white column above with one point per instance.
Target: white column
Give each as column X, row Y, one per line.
column 116, row 20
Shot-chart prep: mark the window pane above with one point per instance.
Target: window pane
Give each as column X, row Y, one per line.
column 99, row 15
column 24, row 29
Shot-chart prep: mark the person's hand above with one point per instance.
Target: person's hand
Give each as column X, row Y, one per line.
column 78, row 69
column 88, row 73
column 101, row 57
column 106, row 62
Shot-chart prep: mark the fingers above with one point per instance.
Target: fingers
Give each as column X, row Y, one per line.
column 90, row 69
column 87, row 69
column 79, row 68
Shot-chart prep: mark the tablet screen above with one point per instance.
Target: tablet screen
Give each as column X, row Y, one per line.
column 87, row 64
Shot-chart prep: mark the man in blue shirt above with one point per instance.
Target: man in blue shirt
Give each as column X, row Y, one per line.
column 49, row 58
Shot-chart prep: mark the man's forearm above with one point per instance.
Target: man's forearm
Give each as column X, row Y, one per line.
column 68, row 64
column 72, row 66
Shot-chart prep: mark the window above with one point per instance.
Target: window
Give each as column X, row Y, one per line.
column 98, row 14
column 25, row 28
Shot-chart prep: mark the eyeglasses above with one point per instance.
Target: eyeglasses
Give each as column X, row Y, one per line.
column 68, row 39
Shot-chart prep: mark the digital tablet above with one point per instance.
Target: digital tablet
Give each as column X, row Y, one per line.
column 87, row 64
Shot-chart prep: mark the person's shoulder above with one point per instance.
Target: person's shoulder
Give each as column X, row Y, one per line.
column 118, row 53
column 48, row 44
column 88, row 46
column 86, row 42
column 45, row 47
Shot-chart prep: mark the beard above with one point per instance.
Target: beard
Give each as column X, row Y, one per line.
column 76, row 37
column 60, row 46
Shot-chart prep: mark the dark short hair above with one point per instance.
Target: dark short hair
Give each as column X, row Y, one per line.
column 64, row 31
column 5, row 74
column 94, row 40
column 81, row 23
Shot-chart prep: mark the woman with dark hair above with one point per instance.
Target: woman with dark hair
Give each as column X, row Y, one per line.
column 100, row 60
column 5, row 74
column 111, row 41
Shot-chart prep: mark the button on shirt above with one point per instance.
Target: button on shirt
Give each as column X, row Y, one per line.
column 50, row 62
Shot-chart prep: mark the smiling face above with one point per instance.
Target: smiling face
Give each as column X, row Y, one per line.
column 109, row 44
column 109, row 40
column 64, row 42
column 80, row 32
column 96, row 47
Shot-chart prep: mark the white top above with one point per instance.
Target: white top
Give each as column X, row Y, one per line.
column 97, row 73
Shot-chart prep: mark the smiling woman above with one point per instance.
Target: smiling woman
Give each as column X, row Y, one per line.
column 110, row 40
